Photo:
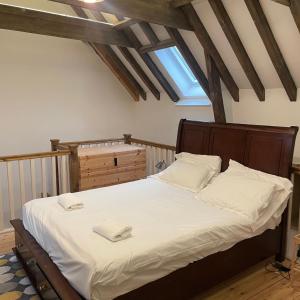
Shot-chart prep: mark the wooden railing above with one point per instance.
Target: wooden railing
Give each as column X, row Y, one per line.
column 156, row 153
column 30, row 176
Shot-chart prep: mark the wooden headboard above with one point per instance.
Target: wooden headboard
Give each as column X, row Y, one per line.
column 265, row 148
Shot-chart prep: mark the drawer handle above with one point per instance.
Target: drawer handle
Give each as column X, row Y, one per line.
column 116, row 161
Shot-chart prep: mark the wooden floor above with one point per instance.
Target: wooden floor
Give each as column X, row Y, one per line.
column 7, row 241
column 255, row 284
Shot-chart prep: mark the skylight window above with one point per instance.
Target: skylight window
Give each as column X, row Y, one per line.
column 186, row 83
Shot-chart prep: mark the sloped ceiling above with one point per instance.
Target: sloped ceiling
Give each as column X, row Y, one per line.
column 279, row 18
column 282, row 25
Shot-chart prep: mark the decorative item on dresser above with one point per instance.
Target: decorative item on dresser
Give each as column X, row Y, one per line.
column 109, row 165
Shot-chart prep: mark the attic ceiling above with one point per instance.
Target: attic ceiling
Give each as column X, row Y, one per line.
column 248, row 44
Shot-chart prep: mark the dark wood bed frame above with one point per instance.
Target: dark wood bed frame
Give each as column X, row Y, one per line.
column 265, row 148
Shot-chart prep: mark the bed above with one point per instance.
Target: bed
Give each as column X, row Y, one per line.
column 175, row 264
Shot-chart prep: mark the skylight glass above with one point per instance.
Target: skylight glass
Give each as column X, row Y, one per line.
column 177, row 68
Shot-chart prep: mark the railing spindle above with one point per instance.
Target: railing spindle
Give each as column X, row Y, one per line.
column 33, row 182
column 44, row 177
column 1, row 208
column 10, row 190
column 63, row 174
column 22, row 182
column 147, row 160
column 54, row 181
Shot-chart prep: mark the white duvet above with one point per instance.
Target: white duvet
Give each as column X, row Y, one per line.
column 170, row 230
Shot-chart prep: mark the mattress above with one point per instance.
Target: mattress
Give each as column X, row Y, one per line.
column 170, row 230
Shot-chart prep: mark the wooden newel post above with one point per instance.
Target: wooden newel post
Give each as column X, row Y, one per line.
column 74, row 168
column 54, row 144
column 127, row 138
column 54, row 147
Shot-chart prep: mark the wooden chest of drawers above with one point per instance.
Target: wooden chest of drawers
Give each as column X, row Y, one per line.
column 109, row 165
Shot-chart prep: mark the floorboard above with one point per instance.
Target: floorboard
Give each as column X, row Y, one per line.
column 7, row 242
column 256, row 283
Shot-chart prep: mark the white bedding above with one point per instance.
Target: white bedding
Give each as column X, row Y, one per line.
column 170, row 230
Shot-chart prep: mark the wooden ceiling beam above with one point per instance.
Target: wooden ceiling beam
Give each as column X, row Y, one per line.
column 272, row 47
column 125, row 23
column 160, row 45
column 134, row 64
column 119, row 70
column 40, row 22
column 177, row 40
column 216, row 96
column 152, row 66
column 210, row 48
column 154, row 11
column 109, row 57
column 238, row 47
column 295, row 9
column 138, row 69
column 179, row 3
column 189, row 58
column 147, row 29
column 294, row 6
column 284, row 2
column 149, row 32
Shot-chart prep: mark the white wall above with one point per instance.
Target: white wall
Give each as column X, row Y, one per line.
column 56, row 88
column 277, row 110
column 158, row 120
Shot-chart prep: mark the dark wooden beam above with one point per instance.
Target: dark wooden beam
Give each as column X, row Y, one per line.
column 149, row 32
column 134, row 64
column 284, row 2
column 147, row 29
column 154, row 11
column 238, row 47
column 109, row 57
column 148, row 61
column 179, row 3
column 209, row 47
column 138, row 69
column 189, row 58
column 39, row 22
column 294, row 5
column 125, row 23
column 272, row 47
column 295, row 9
column 215, row 90
column 119, row 70
column 160, row 45
column 152, row 66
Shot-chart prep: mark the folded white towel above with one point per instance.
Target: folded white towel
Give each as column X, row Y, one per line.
column 113, row 231
column 69, row 201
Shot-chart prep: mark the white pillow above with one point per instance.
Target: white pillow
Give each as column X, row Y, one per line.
column 242, row 195
column 238, row 169
column 187, row 175
column 280, row 198
column 213, row 162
